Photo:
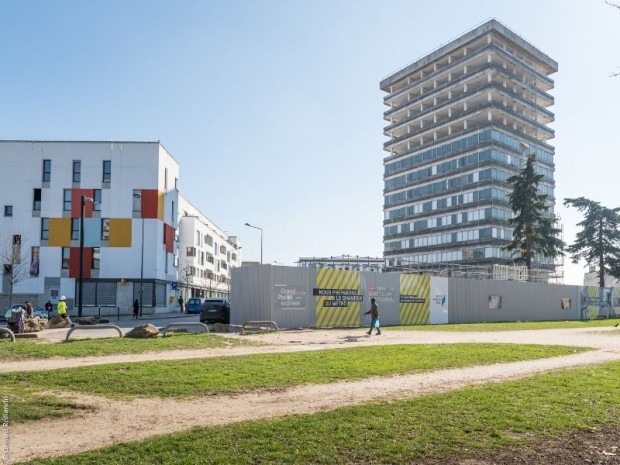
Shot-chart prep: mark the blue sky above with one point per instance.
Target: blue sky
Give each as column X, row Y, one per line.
column 273, row 108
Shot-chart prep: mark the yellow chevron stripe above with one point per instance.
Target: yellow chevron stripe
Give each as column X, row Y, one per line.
column 411, row 313
column 337, row 316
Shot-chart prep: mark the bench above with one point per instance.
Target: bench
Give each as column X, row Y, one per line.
column 203, row 327
column 84, row 328
column 9, row 332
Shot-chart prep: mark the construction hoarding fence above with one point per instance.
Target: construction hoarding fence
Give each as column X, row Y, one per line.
column 296, row 297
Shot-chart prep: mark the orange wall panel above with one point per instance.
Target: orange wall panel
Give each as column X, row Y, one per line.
column 60, row 232
column 120, row 232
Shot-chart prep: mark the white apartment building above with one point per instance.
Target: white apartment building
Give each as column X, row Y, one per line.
column 206, row 254
column 131, row 225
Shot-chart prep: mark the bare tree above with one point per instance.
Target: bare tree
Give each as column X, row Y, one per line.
column 615, row 5
column 15, row 264
column 186, row 280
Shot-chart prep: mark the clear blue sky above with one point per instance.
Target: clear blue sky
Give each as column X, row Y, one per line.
column 273, row 108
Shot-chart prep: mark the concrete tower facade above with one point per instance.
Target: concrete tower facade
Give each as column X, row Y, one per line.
column 461, row 121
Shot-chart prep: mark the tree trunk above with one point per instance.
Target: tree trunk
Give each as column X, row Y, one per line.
column 601, row 260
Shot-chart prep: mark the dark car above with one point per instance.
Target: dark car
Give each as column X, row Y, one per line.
column 215, row 310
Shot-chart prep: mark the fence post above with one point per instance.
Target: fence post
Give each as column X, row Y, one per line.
column 99, row 311
column 118, row 313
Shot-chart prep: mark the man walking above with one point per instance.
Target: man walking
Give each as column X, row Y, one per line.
column 374, row 313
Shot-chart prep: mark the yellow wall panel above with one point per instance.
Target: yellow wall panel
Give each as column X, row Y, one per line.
column 160, row 205
column 120, row 232
column 60, row 232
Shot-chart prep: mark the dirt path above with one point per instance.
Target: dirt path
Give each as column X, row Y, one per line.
column 141, row 418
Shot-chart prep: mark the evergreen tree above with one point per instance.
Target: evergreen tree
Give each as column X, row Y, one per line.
column 534, row 230
column 598, row 242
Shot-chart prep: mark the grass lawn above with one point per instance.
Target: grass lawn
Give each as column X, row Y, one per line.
column 466, row 422
column 199, row 377
column 508, row 326
column 24, row 349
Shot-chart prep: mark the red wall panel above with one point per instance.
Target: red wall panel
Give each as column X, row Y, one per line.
column 74, row 262
column 169, row 238
column 76, row 200
column 149, row 203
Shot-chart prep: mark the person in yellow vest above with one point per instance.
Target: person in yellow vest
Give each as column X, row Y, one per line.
column 62, row 310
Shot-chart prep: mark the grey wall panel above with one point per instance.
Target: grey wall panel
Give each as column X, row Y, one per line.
column 292, row 305
column 385, row 288
column 250, row 294
column 469, row 301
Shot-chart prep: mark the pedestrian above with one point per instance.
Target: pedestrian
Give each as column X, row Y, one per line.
column 374, row 313
column 136, row 309
column 48, row 308
column 181, row 303
column 29, row 309
column 62, row 310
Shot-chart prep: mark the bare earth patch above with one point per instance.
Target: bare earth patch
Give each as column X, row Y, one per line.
column 121, row 421
column 599, row 447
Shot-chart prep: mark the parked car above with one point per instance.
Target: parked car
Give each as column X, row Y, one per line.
column 38, row 311
column 215, row 310
column 193, row 304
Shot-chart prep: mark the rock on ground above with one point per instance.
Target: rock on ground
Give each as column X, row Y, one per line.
column 143, row 331
column 57, row 322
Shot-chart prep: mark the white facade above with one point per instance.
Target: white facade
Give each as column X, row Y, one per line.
column 207, row 254
column 591, row 279
column 42, row 185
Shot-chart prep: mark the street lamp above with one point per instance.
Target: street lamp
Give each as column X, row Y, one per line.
column 139, row 197
column 83, row 200
column 261, row 240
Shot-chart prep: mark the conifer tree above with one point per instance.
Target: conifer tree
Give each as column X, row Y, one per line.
column 534, row 230
column 598, row 242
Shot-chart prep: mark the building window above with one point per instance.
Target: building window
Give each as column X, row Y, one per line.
column 45, row 229
column 198, row 238
column 105, row 229
column 34, row 261
column 77, row 171
column 107, row 170
column 8, row 210
column 172, row 216
column 137, row 201
column 66, row 253
column 191, row 251
column 96, row 257
column 47, row 170
column 36, row 200
column 209, row 240
column 75, row 229
column 97, row 200
column 66, row 200
column 166, row 179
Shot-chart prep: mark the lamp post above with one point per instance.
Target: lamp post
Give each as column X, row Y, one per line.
column 139, row 197
column 261, row 240
column 83, row 200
